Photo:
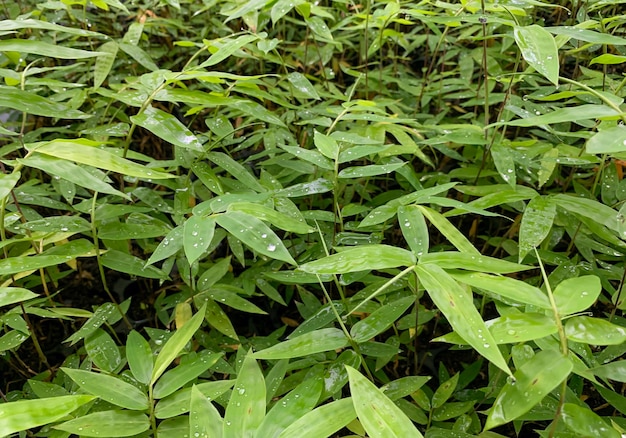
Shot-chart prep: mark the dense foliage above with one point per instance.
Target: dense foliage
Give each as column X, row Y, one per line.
column 232, row 218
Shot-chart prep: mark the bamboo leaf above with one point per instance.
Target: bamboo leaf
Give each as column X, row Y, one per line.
column 594, row 331
column 109, row 388
column 458, row 307
column 539, row 50
column 414, row 229
column 197, row 235
column 114, row 423
column 362, row 258
column 246, row 408
column 167, row 127
column 139, row 356
column 536, row 224
column 380, row 417
column 535, row 379
column 38, row 47
column 255, row 234
column 26, row 414
column 323, row 421
column 577, row 294
column 176, row 343
column 309, row 343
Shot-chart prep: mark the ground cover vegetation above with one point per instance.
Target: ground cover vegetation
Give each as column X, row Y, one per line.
column 229, row 218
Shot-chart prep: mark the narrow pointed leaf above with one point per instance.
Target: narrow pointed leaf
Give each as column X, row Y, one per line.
column 539, row 50
column 446, row 228
column 35, row 104
column 139, row 357
column 577, row 294
column 380, row 417
column 291, row 407
column 167, row 127
column 184, row 373
column 608, row 141
column 414, row 229
column 255, row 234
column 362, row 258
column 8, row 182
column 302, row 85
column 536, row 223
column 457, row 305
column 104, row 63
column 309, row 343
column 380, row 320
column 470, row 262
column 176, row 343
column 178, row 403
column 107, row 423
column 276, row 218
column 197, row 235
column 584, row 422
column 109, row 388
column 246, row 407
column 38, row 47
column 532, row 382
column 236, row 170
column 326, row 145
column 71, row 172
column 168, row 246
column 594, row 331
column 204, row 419
column 82, row 151
column 369, row 170
column 507, row 287
column 323, row 421
column 11, row 295
column 27, row 414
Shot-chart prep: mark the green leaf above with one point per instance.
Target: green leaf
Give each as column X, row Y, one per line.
column 470, row 262
column 184, row 373
column 539, row 50
column 32, row 103
column 309, row 343
column 236, row 170
column 587, row 35
column 319, row 185
column 8, row 182
column 178, row 403
column 29, row 23
column 319, row 28
column 612, row 371
column 104, row 63
column 302, row 85
column 577, row 294
column 312, row 156
column 227, row 295
column 277, row 219
column 608, row 141
column 226, row 50
column 584, row 422
column 521, row 327
column 167, row 127
column 457, row 305
column 218, row 319
column 109, row 388
column 446, row 228
column 255, row 234
column 103, row 351
column 65, row 224
column 246, row 407
column 529, row 385
column 282, row 8
column 176, row 343
column 138, row 55
column 38, row 47
column 369, row 170
column 12, row 339
column 444, row 391
column 27, row 414
column 204, row 418
column 323, row 421
column 326, row 145
column 11, row 295
column 507, row 287
column 590, row 208
column 197, row 235
column 168, row 246
column 504, row 162
column 536, row 224
column 107, row 423
column 594, row 331
column 608, row 58
column 122, row 262
column 139, row 357
column 87, row 152
column 380, row 417
column 362, row 258
column 70, row 172
column 290, row 408
column 99, row 317
column 380, row 320
column 414, row 229
column 567, row 114
column 52, row 257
